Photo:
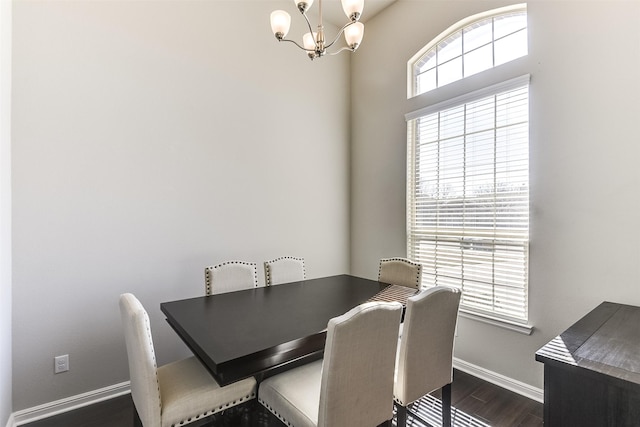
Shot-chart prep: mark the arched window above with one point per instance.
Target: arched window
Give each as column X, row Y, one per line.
column 468, row 168
column 473, row 45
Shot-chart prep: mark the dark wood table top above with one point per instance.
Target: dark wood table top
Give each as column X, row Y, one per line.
column 254, row 332
column 606, row 341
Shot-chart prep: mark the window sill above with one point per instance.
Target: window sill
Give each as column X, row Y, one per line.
column 516, row 327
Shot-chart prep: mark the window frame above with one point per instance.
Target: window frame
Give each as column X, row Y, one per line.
column 513, row 323
column 488, row 82
column 459, row 26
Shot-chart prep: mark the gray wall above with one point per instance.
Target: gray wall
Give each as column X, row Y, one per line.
column 5, row 212
column 584, row 59
column 151, row 139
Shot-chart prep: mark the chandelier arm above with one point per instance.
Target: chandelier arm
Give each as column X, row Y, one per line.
column 342, row 50
column 310, row 31
column 297, row 44
column 339, row 34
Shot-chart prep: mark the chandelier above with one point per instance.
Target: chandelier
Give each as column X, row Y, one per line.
column 314, row 42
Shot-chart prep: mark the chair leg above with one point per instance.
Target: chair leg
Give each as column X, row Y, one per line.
column 446, row 405
column 137, row 422
column 401, row 415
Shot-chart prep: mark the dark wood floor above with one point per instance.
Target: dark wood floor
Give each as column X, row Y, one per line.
column 475, row 402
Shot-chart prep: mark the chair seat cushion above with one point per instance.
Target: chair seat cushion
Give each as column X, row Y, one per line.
column 294, row 395
column 189, row 392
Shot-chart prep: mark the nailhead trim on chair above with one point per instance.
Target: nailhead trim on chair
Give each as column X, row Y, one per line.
column 153, row 352
column 398, row 401
column 208, row 271
column 274, row 412
column 267, row 268
column 207, row 280
column 215, row 410
column 407, row 261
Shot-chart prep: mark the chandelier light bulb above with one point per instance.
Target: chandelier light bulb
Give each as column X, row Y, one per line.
column 353, row 8
column 309, row 41
column 353, row 35
column 280, row 23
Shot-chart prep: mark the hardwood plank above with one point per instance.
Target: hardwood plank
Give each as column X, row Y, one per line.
column 109, row 413
column 482, row 404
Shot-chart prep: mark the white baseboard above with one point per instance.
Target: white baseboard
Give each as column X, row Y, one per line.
column 10, row 421
column 68, row 404
column 516, row 386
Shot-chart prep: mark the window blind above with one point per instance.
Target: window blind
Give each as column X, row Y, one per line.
column 468, row 198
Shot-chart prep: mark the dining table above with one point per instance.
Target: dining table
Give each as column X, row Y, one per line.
column 261, row 331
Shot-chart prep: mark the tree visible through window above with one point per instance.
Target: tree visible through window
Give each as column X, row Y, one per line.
column 468, row 180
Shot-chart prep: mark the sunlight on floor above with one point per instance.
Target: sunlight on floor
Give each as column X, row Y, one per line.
column 429, row 410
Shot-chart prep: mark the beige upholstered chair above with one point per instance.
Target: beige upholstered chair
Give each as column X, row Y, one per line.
column 400, row 271
column 425, row 351
column 230, row 276
column 284, row 270
column 175, row 394
column 353, row 384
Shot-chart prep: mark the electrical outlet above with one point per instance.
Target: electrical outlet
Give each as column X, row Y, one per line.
column 61, row 363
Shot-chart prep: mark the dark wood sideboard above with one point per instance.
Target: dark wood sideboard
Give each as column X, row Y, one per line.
column 592, row 370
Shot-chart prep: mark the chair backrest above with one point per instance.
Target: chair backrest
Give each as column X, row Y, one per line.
column 400, row 271
column 358, row 366
column 145, row 387
column 425, row 355
column 230, row 276
column 283, row 270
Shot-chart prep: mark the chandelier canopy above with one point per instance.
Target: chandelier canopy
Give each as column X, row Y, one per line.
column 314, row 42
